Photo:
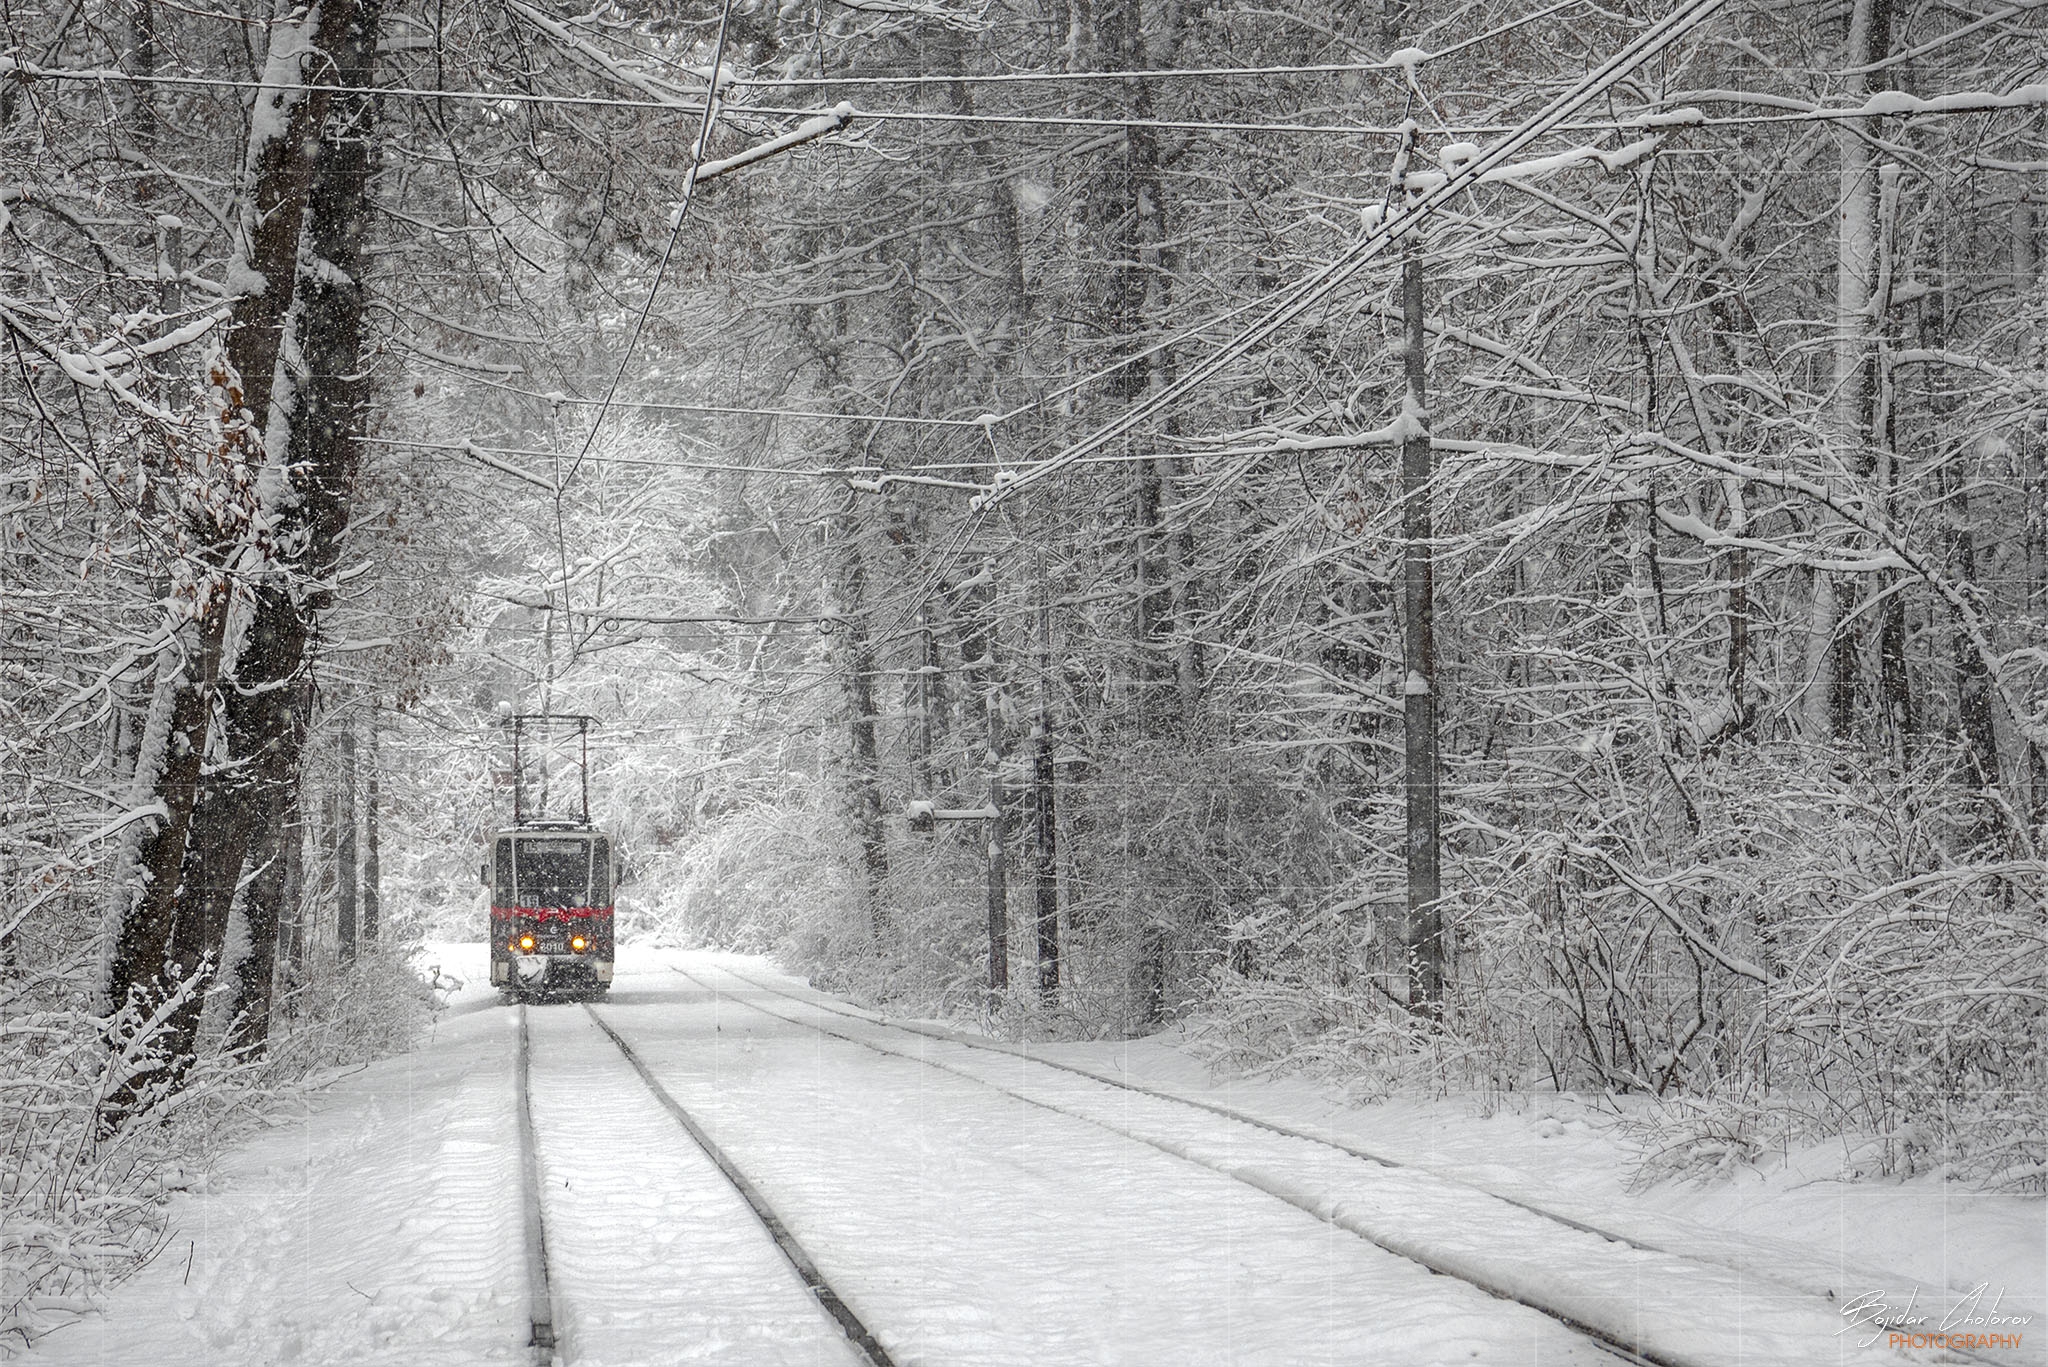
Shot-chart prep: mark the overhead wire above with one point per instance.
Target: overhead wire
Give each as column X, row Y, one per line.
column 1306, row 293
column 675, row 232
column 734, row 467
column 1298, row 447
column 1964, row 102
column 1406, row 63
column 1298, row 297
column 714, row 409
column 1316, row 286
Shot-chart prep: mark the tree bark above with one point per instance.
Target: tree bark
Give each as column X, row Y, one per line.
column 190, row 863
column 372, row 869
column 978, row 654
column 345, row 847
column 1831, row 709
column 864, row 760
column 1418, row 608
column 292, row 864
column 1044, row 822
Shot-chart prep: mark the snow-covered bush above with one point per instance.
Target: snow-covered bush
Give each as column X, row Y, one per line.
column 755, row 878
column 348, row 1013
column 1822, row 948
column 85, row 1171
column 80, row 1191
column 1814, row 953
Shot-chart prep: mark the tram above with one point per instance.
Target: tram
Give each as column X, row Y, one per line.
column 550, row 878
column 551, row 911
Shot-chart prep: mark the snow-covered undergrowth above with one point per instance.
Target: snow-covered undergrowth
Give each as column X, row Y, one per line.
column 1787, row 953
column 1815, row 959
column 753, row 880
column 84, row 1178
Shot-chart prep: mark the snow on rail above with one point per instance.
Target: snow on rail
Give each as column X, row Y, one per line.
column 541, row 1312
column 1652, row 1304
column 806, row 1268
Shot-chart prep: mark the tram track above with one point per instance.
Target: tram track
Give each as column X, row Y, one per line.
column 945, row 1036
column 542, row 1316
column 1324, row 1140
column 1612, row 1339
column 806, row 1268
column 1606, row 1323
column 547, row 1339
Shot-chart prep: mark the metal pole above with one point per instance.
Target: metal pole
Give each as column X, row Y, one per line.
column 1045, row 866
column 1425, row 917
column 518, row 778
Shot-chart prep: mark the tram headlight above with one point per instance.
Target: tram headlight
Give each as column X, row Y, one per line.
column 526, row 943
column 578, row 943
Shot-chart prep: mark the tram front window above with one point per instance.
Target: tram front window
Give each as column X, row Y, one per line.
column 554, row 872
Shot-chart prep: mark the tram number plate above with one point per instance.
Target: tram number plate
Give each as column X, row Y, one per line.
column 553, row 846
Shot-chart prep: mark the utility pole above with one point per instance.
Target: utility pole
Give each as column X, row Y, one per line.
column 997, row 829
column 345, row 847
column 1425, row 917
column 1045, row 848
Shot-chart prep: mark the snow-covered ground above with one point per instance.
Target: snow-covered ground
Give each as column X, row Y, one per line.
column 966, row 1226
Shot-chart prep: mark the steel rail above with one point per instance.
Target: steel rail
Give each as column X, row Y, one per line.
column 1004, row 1047
column 1605, row 1341
column 946, row 1036
column 541, row 1308
column 861, row 1337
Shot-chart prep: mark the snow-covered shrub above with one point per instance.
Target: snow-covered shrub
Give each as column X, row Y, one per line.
column 1812, row 952
column 756, row 879
column 348, row 1013
column 84, row 1172
column 1316, row 994
column 1701, row 1138
column 82, row 1180
column 1179, row 849
column 931, row 959
column 1802, row 950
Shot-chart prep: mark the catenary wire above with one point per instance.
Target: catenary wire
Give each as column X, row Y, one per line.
column 1312, row 288
column 1419, row 58
column 1316, row 286
column 721, row 410
column 1963, row 102
column 675, row 232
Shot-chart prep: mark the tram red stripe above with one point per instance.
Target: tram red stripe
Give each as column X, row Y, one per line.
column 545, row 914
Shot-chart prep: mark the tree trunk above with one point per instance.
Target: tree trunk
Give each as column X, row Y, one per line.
column 924, row 699
column 1822, row 617
column 345, row 848
column 997, row 850
column 1832, row 712
column 190, row 862
column 292, row 896
column 372, row 870
column 864, row 760
column 1418, row 608
column 978, row 654
column 1044, row 821
column 254, row 975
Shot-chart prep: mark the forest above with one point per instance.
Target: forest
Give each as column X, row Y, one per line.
column 1485, row 548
